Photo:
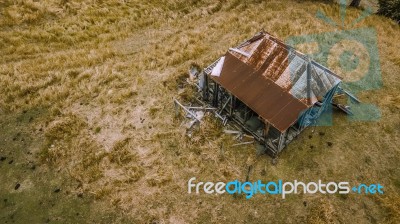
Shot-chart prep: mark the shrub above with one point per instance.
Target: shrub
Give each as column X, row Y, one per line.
column 390, row 8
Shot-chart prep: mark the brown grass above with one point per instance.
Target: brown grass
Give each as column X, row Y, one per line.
column 108, row 71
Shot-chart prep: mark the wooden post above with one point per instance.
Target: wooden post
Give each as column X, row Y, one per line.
column 309, row 82
column 266, row 129
column 205, row 87
column 215, row 96
column 282, row 138
column 231, row 109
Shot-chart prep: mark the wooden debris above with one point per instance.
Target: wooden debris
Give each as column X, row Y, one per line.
column 243, row 143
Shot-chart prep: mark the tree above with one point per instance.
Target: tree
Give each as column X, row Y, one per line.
column 355, row 3
column 390, row 8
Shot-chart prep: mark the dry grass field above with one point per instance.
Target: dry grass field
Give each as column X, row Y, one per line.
column 86, row 94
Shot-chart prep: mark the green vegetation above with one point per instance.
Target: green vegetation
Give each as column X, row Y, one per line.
column 390, row 8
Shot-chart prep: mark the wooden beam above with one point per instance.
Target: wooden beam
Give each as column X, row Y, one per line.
column 281, row 141
column 266, row 129
column 187, row 110
column 309, row 82
column 243, row 143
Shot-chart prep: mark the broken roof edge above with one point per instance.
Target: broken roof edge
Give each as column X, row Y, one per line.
column 326, row 69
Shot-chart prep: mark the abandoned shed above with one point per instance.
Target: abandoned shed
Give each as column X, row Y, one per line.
column 269, row 89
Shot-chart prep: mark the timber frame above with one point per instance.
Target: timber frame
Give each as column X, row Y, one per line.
column 231, row 108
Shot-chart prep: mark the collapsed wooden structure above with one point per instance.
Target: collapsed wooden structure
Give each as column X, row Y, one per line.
column 269, row 89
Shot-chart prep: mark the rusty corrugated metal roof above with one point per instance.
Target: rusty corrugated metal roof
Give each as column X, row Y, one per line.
column 288, row 68
column 274, row 81
column 259, row 93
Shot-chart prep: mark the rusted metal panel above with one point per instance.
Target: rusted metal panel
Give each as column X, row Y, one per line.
column 259, row 93
column 289, row 115
column 249, row 46
column 285, row 66
column 234, row 71
column 260, row 55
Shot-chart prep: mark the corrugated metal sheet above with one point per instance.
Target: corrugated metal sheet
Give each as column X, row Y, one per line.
column 276, row 81
column 259, row 93
column 287, row 68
